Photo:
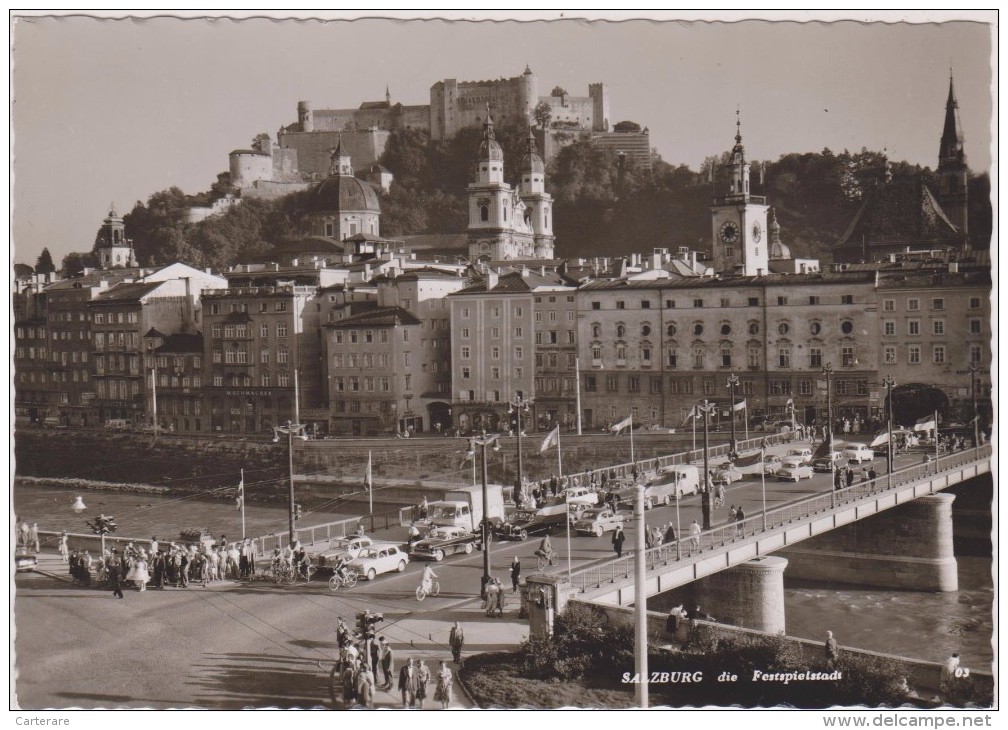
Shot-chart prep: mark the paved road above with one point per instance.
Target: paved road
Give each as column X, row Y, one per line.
column 255, row 644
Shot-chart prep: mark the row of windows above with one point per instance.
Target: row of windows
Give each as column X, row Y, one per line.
column 354, row 337
column 241, row 331
column 69, row 317
column 117, row 388
column 116, row 339
column 368, row 384
column 30, row 333
column 217, row 307
column 552, row 299
column 848, row 357
column 283, row 380
column 913, row 304
column 495, row 372
column 466, row 352
column 76, row 376
column 700, row 303
column 178, row 361
column 466, row 312
column 552, row 359
column 939, row 355
column 240, row 356
column 783, row 328
column 112, row 318
column 175, row 382
column 937, row 327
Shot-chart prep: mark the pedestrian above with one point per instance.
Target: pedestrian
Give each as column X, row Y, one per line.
column 413, row 535
column 114, row 575
column 456, row 640
column 695, row 534
column 423, row 679
column 349, row 684
column 365, row 687
column 154, row 545
column 386, row 657
column 184, row 563
column 423, row 508
column 63, row 549
column 554, row 485
column 443, row 692
column 670, row 535
column 408, row 684
column 86, row 564
column 23, row 531
column 946, row 684
column 732, row 513
column 864, row 476
column 159, row 571
column 739, row 522
column 832, row 651
column 850, row 477
column 617, row 541
column 33, row 537
column 838, row 480
column 515, row 574
column 872, row 474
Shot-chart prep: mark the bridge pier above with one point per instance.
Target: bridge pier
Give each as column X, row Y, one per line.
column 908, row 547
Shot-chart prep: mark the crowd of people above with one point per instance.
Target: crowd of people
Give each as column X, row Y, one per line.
column 173, row 565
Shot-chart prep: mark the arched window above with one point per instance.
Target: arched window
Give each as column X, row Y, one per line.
column 670, row 330
column 726, row 355
column 846, row 326
column 620, row 330
column 484, row 213
column 645, row 330
column 505, row 212
column 783, row 328
column 698, row 329
column 815, row 328
column 596, row 330
column 753, row 328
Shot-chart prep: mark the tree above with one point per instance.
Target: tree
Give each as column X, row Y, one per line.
column 542, row 114
column 626, row 127
column 76, row 261
column 44, row 264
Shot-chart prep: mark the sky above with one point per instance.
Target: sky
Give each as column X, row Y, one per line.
column 113, row 110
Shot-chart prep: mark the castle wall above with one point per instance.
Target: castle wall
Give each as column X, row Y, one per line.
column 312, row 148
column 246, row 167
column 269, row 190
column 285, row 165
column 578, row 110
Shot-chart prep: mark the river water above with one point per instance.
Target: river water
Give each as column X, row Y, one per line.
column 920, row 625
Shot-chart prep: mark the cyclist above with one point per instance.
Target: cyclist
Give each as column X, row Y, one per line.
column 340, row 569
column 300, row 559
column 428, row 576
column 545, row 548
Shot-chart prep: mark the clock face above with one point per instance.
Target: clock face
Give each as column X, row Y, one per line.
column 729, row 232
column 757, row 232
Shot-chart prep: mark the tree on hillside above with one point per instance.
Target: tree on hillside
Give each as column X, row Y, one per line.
column 76, row 261
column 542, row 114
column 44, row 263
column 627, row 127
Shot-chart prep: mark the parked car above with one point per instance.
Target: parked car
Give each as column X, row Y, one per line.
column 25, row 561
column 445, row 540
column 793, row 471
column 347, row 548
column 726, row 474
column 598, row 521
column 827, row 463
column 374, row 561
column 858, row 453
column 118, row 424
column 581, row 495
column 804, row 454
column 524, row 522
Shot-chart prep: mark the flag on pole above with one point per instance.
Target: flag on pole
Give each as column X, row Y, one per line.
column 240, row 497
column 552, row 439
column 822, row 450
column 927, row 423
column 368, row 483
column 750, row 460
column 690, row 416
column 790, row 404
column 625, row 423
column 739, row 406
column 881, row 438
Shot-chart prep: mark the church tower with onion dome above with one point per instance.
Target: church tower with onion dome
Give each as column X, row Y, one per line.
column 538, row 203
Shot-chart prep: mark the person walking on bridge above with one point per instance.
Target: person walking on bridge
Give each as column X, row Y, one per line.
column 695, row 534
column 832, row 650
column 617, row 541
column 456, row 639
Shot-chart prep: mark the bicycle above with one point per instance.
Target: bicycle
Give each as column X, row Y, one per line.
column 283, row 573
column 347, row 580
column 550, row 560
column 304, row 572
column 422, row 593
column 718, row 502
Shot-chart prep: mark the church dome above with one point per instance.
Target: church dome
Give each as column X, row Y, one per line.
column 343, row 193
column 531, row 161
column 490, row 148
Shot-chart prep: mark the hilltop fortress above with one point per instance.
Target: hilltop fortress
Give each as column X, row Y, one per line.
column 301, row 153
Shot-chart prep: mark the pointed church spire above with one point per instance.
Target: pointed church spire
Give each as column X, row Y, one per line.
column 952, row 137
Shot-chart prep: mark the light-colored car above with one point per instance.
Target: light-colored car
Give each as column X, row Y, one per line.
column 793, row 471
column 803, row 454
column 858, row 453
column 771, row 464
column 375, row 561
column 581, row 495
column 346, row 548
column 445, row 540
column 726, row 474
column 597, row 521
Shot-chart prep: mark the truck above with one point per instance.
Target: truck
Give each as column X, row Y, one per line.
column 671, row 483
column 464, row 507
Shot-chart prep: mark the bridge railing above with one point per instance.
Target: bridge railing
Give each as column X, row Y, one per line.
column 595, row 576
column 329, row 531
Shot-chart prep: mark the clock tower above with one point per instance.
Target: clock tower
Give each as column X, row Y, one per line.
column 739, row 219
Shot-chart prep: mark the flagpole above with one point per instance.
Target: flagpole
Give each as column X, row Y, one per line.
column 567, row 509
column 370, row 485
column 746, row 402
column 678, row 526
column 936, row 440
column 577, row 392
column 763, row 481
column 242, row 482
column 631, row 440
column 693, row 418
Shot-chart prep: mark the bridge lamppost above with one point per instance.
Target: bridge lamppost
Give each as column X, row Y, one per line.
column 889, row 384
column 976, row 414
column 707, row 499
column 828, row 372
column 733, row 382
column 493, row 442
column 518, row 405
column 290, row 430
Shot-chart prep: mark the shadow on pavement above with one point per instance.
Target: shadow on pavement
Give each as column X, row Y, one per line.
column 236, row 681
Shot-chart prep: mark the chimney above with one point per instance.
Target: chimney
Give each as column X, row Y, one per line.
column 692, row 260
column 525, row 271
column 492, row 279
column 953, row 267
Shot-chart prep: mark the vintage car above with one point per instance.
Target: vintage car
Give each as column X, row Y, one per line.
column 24, row 560
column 446, row 540
column 346, row 548
column 726, row 474
column 598, row 520
column 581, row 495
column 804, row 454
column 524, row 522
column 858, row 453
column 381, row 559
column 793, row 471
column 827, row 463
column 771, row 464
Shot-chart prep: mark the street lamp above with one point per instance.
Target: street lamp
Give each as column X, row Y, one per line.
column 484, row 441
column 290, row 430
column 889, row 383
column 976, row 414
column 706, row 502
column 828, row 372
column 518, row 405
column 733, row 382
